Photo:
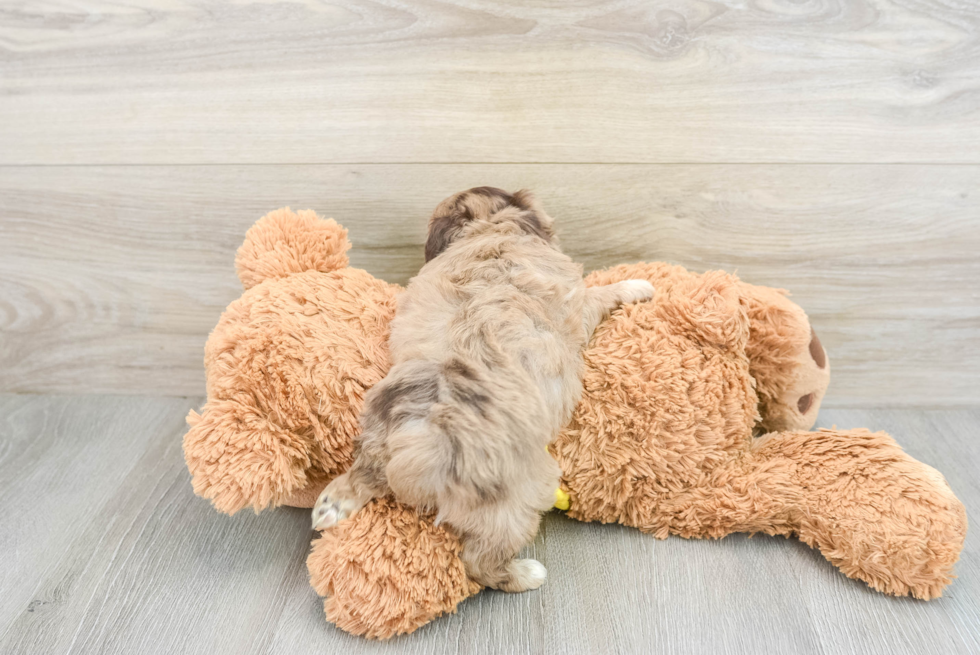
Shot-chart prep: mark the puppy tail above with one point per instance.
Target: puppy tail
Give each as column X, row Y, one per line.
column 436, row 414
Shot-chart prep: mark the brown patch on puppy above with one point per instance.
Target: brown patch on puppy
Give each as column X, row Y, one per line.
column 460, row 368
column 805, row 403
column 466, row 387
column 419, row 393
column 492, row 192
column 817, row 351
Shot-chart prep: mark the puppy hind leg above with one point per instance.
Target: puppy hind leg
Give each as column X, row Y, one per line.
column 490, row 547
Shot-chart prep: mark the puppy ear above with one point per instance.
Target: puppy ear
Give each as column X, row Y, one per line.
column 537, row 224
column 444, row 228
column 453, row 213
column 532, row 218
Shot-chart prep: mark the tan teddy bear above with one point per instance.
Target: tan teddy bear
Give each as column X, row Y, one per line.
column 693, row 422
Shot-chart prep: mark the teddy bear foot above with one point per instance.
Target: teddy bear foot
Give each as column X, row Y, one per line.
column 388, row 570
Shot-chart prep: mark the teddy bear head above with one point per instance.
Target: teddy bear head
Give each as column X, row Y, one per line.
column 287, row 367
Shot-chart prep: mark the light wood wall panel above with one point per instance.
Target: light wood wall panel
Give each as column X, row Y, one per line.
column 266, row 81
column 111, row 277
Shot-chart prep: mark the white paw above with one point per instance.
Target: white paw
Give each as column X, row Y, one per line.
column 532, row 573
column 638, row 290
column 329, row 511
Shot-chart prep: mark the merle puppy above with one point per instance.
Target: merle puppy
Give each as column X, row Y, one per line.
column 486, row 352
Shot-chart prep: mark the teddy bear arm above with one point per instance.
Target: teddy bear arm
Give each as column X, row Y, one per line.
column 239, row 458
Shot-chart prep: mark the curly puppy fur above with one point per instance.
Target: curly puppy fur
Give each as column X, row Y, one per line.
column 486, row 351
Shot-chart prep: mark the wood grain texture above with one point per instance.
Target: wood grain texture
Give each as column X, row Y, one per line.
column 106, row 550
column 112, row 277
column 112, row 551
column 479, row 80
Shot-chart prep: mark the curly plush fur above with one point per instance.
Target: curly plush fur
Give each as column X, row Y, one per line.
column 667, row 437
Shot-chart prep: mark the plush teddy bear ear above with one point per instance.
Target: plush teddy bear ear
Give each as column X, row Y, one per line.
column 284, row 242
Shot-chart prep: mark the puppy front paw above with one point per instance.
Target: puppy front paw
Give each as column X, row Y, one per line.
column 636, row 291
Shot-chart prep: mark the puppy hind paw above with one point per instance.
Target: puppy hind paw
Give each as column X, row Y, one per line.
column 524, row 575
column 331, row 509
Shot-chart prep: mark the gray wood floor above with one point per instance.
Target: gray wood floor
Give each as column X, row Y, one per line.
column 106, row 550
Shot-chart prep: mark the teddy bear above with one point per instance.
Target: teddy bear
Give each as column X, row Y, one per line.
column 694, row 421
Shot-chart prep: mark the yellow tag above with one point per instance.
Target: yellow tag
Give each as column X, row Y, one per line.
column 562, row 501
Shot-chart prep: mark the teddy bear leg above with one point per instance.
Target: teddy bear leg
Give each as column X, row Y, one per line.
column 786, row 359
column 872, row 510
column 388, row 571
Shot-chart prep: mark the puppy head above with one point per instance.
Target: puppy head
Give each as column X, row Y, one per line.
column 488, row 205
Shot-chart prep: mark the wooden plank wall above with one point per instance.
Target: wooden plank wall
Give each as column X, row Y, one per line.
column 832, row 148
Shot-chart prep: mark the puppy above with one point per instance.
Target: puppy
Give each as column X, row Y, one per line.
column 486, row 352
